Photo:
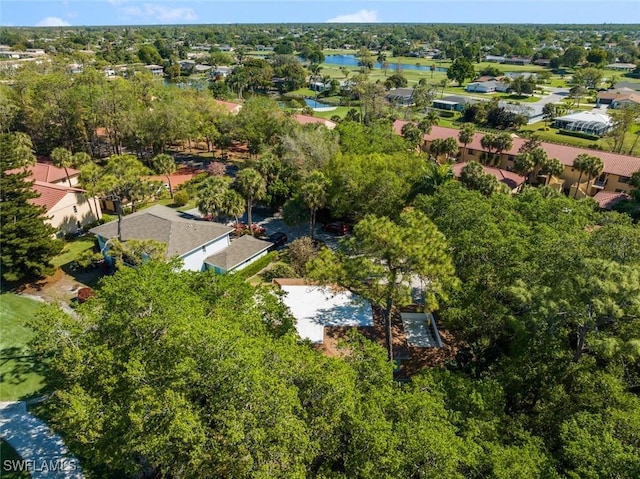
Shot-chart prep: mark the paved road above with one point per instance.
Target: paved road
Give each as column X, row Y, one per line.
column 42, row 451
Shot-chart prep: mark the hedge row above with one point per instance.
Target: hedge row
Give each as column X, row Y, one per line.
column 257, row 266
column 579, row 134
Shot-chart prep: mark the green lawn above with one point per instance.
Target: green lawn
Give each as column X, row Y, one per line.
column 341, row 111
column 72, row 250
column 20, row 375
column 7, row 453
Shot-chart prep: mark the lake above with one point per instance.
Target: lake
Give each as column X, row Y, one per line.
column 352, row 61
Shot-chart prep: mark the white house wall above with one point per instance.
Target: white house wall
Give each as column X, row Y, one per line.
column 194, row 260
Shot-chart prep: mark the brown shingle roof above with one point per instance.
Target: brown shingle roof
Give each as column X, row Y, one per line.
column 614, row 163
column 161, row 223
column 240, row 250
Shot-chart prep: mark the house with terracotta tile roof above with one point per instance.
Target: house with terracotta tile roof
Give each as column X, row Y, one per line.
column 230, row 107
column 511, row 179
column 314, row 120
column 67, row 209
column 47, row 173
column 615, row 177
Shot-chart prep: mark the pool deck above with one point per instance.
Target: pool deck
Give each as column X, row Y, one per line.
column 315, row 307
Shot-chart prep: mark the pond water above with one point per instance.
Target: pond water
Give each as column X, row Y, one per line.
column 352, row 61
column 315, row 104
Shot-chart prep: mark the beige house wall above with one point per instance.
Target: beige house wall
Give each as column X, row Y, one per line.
column 64, row 218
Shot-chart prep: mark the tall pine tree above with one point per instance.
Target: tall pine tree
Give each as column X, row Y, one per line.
column 26, row 241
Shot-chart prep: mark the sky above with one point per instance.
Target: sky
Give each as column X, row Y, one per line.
column 155, row 12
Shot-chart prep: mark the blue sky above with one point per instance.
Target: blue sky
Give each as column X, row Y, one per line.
column 151, row 12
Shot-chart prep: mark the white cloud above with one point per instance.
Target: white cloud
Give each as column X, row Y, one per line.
column 160, row 13
column 363, row 16
column 52, row 22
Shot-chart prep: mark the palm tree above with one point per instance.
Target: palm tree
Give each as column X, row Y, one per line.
column 593, row 170
column 314, row 193
column 89, row 178
column 164, row 164
column 487, row 142
column 435, row 176
column 466, row 136
column 551, row 167
column 443, row 84
column 580, row 164
column 524, row 164
column 252, row 186
column 211, row 196
column 426, row 124
column 233, row 204
column 502, row 142
column 62, row 159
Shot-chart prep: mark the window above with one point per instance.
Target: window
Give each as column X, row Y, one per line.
column 75, row 209
column 471, row 152
column 511, row 158
column 624, row 179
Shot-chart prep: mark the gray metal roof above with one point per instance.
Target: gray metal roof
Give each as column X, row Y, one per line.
column 181, row 233
column 240, row 250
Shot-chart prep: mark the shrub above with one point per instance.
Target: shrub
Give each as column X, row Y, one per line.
column 257, row 266
column 279, row 270
column 84, row 294
column 181, row 198
column 579, row 134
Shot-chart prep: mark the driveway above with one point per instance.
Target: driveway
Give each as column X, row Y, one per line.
column 274, row 223
column 42, row 451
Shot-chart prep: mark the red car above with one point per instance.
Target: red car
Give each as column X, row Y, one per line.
column 337, row 227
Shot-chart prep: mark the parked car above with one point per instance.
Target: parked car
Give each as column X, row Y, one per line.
column 278, row 239
column 337, row 227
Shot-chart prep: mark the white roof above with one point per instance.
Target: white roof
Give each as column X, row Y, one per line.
column 315, row 307
column 587, row 116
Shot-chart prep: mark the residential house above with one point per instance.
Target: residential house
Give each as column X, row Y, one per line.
column 607, row 199
column 616, row 175
column 47, row 173
column 220, row 72
column 531, row 111
column 454, row 102
column 313, row 120
column 240, row 253
column 622, row 67
column 490, row 86
column 517, row 61
column 607, row 97
column 590, row 122
column 400, row 96
column 202, row 68
column 198, row 243
column 629, row 101
column 513, row 180
column 230, row 107
column 187, row 66
column 67, row 209
column 155, row 70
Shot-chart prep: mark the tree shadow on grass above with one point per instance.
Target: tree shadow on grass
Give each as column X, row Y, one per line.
column 22, row 368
